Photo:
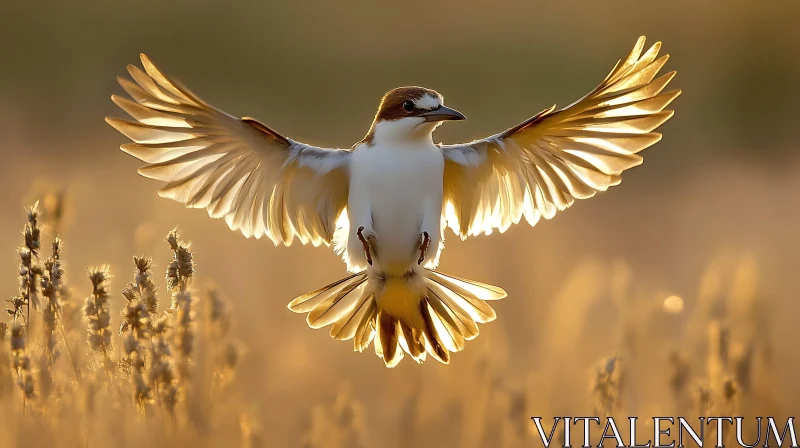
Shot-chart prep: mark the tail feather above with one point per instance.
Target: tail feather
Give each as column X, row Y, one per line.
column 413, row 342
column 456, row 329
column 388, row 343
column 476, row 309
column 366, row 328
column 476, row 290
column 462, row 321
column 432, row 313
column 337, row 307
column 308, row 302
column 436, row 346
column 347, row 327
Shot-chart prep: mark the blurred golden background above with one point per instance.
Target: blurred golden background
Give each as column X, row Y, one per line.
column 710, row 217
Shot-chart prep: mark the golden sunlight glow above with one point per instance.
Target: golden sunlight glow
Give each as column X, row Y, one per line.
column 673, row 305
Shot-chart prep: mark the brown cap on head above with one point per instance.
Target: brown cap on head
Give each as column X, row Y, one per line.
column 395, row 104
column 410, row 102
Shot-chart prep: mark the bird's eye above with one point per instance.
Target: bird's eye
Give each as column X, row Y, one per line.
column 408, row 105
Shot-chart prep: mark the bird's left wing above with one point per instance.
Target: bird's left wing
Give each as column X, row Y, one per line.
column 261, row 182
column 543, row 164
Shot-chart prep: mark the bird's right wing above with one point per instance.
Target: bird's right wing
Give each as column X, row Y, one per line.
column 261, row 182
column 542, row 165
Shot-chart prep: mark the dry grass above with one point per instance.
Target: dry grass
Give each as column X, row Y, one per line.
column 152, row 380
column 167, row 377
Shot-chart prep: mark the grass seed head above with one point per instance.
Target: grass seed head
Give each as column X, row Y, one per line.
column 181, row 268
column 96, row 310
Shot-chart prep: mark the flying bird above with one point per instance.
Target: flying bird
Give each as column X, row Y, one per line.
column 384, row 204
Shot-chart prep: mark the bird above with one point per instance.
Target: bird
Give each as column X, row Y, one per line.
column 383, row 205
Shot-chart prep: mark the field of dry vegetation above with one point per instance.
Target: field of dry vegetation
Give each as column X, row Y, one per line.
column 153, row 359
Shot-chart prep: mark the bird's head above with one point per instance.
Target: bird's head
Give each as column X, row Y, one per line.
column 409, row 114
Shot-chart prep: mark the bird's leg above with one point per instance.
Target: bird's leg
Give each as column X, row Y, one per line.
column 423, row 248
column 367, row 242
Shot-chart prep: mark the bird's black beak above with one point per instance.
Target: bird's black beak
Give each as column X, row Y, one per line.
column 443, row 113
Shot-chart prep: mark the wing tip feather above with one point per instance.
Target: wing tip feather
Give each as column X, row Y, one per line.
column 656, row 137
column 130, row 149
column 115, row 123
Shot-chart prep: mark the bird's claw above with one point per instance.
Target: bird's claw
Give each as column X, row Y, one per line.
column 423, row 248
column 367, row 243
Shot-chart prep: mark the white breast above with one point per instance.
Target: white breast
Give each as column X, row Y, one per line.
column 396, row 190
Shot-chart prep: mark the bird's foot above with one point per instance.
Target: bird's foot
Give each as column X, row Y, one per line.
column 368, row 242
column 423, row 247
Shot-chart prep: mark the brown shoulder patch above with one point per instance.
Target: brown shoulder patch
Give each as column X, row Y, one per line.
column 266, row 130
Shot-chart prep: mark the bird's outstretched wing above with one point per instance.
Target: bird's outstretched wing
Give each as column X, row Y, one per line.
column 261, row 182
column 543, row 164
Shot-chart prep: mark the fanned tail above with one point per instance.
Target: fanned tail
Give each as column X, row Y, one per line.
column 424, row 312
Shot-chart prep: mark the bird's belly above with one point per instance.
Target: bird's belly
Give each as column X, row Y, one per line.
column 397, row 222
column 401, row 194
